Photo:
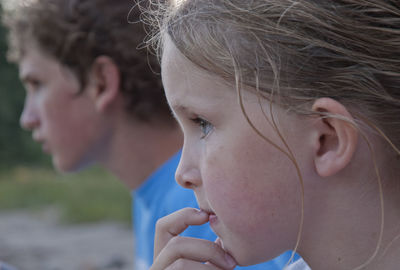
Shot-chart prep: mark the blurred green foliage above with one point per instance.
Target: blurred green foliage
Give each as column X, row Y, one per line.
column 16, row 146
column 90, row 196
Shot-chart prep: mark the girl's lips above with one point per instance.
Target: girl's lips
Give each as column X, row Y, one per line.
column 212, row 218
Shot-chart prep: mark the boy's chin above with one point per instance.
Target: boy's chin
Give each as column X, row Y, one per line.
column 63, row 166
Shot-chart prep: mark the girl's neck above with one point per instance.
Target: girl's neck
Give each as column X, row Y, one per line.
column 343, row 221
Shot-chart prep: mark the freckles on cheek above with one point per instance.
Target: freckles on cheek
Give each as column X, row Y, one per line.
column 240, row 209
column 238, row 194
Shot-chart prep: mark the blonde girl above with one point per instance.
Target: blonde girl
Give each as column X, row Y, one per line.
column 290, row 112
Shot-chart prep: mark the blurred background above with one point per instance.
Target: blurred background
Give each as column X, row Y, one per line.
column 50, row 221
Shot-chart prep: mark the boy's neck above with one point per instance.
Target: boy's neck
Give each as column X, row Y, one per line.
column 137, row 150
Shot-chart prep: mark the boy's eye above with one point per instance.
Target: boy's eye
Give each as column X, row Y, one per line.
column 204, row 125
column 33, row 84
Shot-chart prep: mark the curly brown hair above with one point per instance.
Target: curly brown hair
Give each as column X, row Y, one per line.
column 75, row 32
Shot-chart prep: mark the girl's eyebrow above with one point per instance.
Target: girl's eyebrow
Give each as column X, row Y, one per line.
column 179, row 107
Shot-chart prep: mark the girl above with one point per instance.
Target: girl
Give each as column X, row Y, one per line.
column 290, row 113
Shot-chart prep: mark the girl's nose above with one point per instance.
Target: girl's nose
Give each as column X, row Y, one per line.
column 187, row 174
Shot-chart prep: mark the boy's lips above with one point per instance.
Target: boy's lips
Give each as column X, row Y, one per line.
column 44, row 144
column 45, row 148
column 38, row 138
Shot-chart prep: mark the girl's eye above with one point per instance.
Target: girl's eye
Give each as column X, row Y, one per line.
column 204, row 125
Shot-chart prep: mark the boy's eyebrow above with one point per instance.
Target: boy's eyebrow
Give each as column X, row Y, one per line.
column 27, row 77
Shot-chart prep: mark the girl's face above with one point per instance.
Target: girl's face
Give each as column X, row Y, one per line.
column 250, row 188
column 64, row 122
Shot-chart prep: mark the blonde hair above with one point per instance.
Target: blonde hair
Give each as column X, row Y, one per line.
column 347, row 50
column 296, row 51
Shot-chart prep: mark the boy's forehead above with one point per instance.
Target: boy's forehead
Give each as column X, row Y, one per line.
column 26, row 67
column 35, row 63
column 30, row 61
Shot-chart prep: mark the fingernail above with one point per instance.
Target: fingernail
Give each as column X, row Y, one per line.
column 228, row 258
column 201, row 212
column 218, row 242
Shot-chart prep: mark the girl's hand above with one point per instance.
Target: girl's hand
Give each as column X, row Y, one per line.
column 174, row 252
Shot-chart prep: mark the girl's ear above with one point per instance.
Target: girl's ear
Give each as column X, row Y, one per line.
column 104, row 81
column 336, row 137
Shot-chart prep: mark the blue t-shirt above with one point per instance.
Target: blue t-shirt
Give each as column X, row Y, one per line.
column 4, row 266
column 159, row 196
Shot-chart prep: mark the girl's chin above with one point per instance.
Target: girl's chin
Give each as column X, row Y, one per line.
column 243, row 260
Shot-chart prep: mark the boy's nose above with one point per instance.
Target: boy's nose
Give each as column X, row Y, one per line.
column 29, row 119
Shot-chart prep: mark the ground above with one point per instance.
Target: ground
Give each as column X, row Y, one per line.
column 38, row 241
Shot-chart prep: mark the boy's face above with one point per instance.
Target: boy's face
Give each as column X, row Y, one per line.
column 250, row 188
column 64, row 122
